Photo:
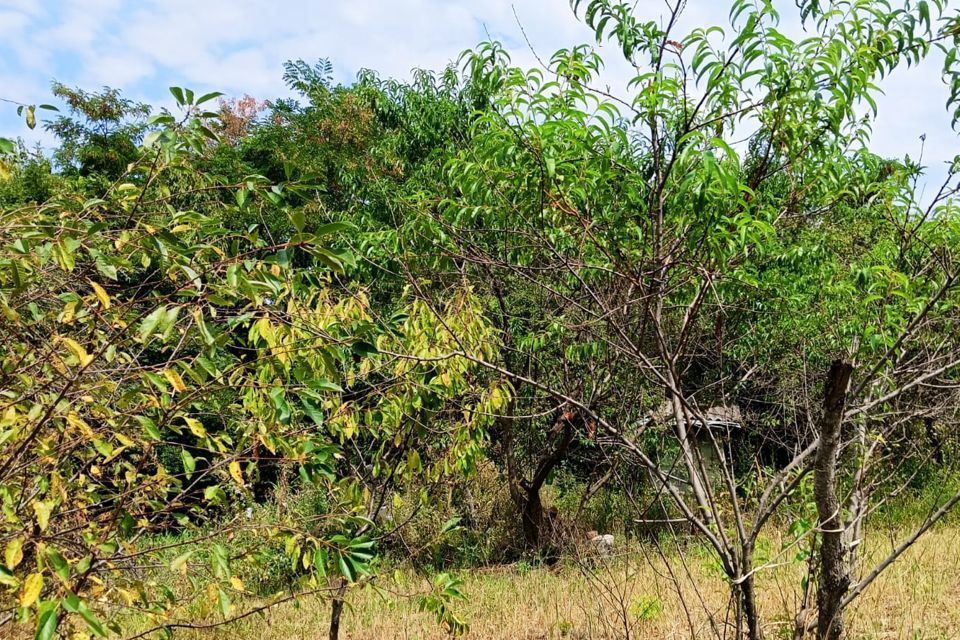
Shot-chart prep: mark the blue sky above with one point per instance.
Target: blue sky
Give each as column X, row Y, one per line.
column 238, row 46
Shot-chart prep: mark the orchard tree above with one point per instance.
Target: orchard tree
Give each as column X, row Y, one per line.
column 634, row 250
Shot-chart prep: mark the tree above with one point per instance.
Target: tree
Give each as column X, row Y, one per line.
column 100, row 135
column 160, row 363
column 650, row 249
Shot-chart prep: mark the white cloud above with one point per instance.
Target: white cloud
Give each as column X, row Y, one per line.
column 12, row 23
column 238, row 46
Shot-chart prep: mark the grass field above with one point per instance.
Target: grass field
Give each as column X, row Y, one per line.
column 916, row 599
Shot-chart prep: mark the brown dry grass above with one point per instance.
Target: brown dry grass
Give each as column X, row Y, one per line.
column 916, row 599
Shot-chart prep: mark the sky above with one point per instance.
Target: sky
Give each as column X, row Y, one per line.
column 239, row 46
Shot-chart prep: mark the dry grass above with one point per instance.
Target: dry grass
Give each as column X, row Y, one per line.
column 916, row 599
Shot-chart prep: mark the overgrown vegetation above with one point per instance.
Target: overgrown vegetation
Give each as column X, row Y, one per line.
column 258, row 353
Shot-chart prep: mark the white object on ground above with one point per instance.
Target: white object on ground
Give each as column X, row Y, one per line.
column 603, row 543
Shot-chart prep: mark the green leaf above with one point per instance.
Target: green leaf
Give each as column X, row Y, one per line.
column 208, row 97
column 83, row 565
column 221, row 561
column 47, row 620
column 214, row 494
column 205, row 333
column 150, row 427
column 151, row 138
column 223, row 600
column 325, row 385
column 364, row 348
column 189, row 463
column 450, row 525
column 58, row 563
column 312, row 411
column 7, row 578
column 178, row 94
column 298, row 220
column 333, row 227
column 208, row 133
column 92, row 621
column 280, row 404
column 151, row 322
column 162, row 118
column 320, row 561
column 347, row 569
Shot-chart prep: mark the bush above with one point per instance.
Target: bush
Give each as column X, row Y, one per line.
column 467, row 522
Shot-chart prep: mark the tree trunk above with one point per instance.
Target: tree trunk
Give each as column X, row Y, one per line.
column 534, row 523
column 526, row 495
column 834, row 575
column 531, row 514
column 750, row 609
column 691, row 460
column 748, row 595
column 857, row 504
column 336, row 611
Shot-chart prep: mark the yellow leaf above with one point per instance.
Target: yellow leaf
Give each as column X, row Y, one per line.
column 13, row 554
column 196, row 427
column 42, row 511
column 269, row 443
column 78, row 351
column 113, row 456
column 31, row 589
column 235, row 472
column 496, row 399
column 69, row 310
column 124, row 440
column 174, row 379
column 180, row 563
column 101, row 295
column 129, row 596
column 237, row 583
column 74, row 420
column 266, row 331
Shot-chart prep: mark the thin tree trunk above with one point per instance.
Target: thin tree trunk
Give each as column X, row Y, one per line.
column 532, row 515
column 514, row 481
column 748, row 595
column 336, row 611
column 526, row 495
column 534, row 525
column 834, row 575
column 857, row 504
column 690, row 459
